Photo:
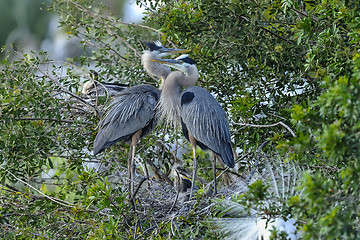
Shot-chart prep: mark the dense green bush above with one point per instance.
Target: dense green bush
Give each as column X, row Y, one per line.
column 287, row 72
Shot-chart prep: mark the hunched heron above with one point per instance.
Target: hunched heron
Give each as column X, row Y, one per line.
column 203, row 120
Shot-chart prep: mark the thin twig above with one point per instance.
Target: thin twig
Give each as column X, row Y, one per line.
column 334, row 169
column 267, row 126
column 176, row 199
column 138, row 187
column 159, row 172
column 304, row 14
column 108, row 29
column 47, row 119
column 263, row 28
column 58, row 201
column 226, row 170
column 172, row 153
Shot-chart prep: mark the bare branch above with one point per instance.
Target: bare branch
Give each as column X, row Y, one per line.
column 47, row 119
column 58, row 201
column 304, row 14
column 265, row 29
column 267, row 126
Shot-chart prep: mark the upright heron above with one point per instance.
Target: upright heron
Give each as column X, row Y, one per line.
column 203, row 120
column 132, row 115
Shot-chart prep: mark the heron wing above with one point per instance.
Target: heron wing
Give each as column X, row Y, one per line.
column 132, row 111
column 206, row 120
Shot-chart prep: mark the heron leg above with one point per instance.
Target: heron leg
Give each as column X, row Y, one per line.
column 214, row 171
column 131, row 163
column 132, row 169
column 130, row 188
column 193, row 144
column 129, row 170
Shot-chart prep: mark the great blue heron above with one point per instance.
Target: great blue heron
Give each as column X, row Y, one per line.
column 132, row 115
column 203, row 120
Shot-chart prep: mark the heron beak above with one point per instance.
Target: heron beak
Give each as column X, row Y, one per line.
column 175, row 51
column 167, row 61
column 168, row 51
column 173, row 63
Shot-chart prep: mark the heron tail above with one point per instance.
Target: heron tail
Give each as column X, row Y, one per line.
column 227, row 156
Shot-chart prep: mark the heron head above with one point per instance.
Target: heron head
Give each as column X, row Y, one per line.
column 180, row 63
column 163, row 51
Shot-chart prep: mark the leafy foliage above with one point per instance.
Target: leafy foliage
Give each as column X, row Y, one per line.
column 287, row 72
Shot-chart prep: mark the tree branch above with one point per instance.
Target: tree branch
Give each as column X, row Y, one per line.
column 58, row 201
column 47, row 119
column 304, row 14
column 265, row 29
column 267, row 126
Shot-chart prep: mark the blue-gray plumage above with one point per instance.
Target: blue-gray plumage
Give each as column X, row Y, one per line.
column 132, row 115
column 133, row 110
column 205, row 119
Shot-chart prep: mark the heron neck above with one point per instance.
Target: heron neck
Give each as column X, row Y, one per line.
column 154, row 68
column 169, row 103
column 188, row 78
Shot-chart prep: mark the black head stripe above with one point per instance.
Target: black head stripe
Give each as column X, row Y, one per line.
column 152, row 46
column 188, row 60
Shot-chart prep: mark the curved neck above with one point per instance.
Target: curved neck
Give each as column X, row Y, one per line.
column 177, row 79
column 154, row 68
column 186, row 79
column 169, row 103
